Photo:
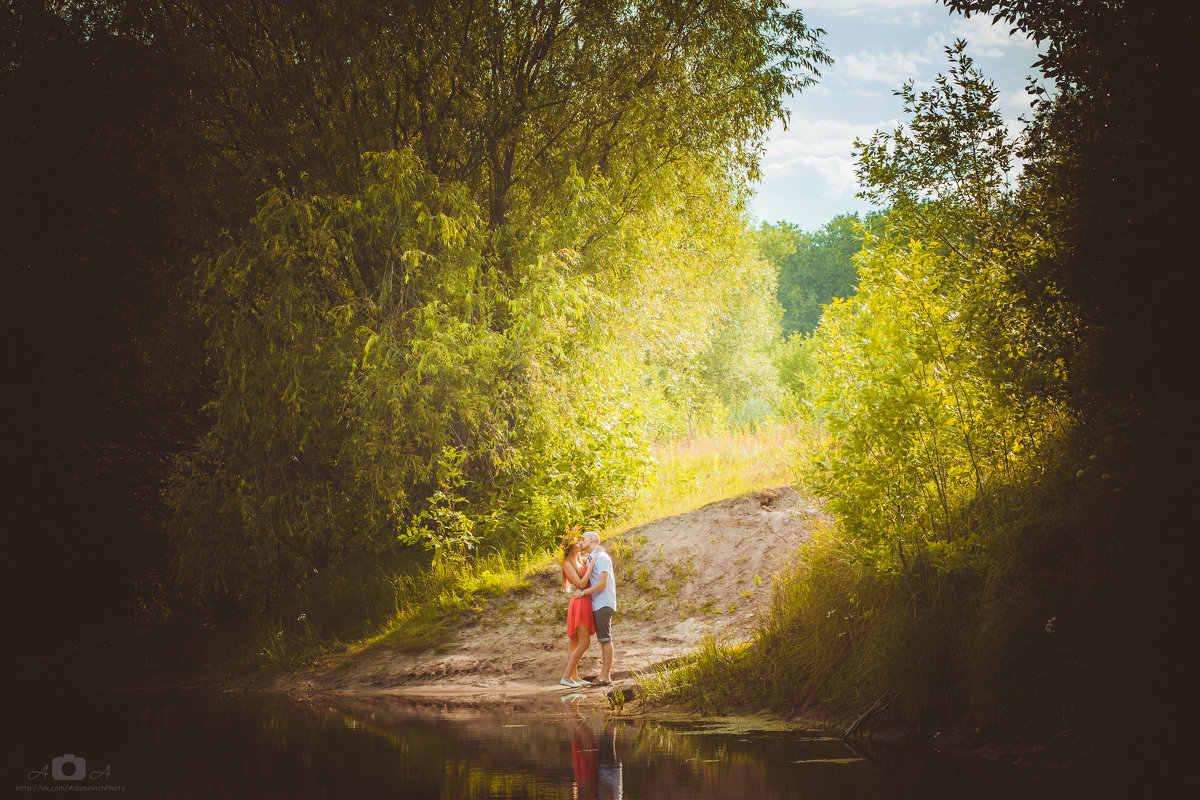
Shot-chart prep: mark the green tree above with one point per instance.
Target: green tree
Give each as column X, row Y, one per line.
column 378, row 388
column 905, row 389
column 509, row 101
column 814, row 268
column 935, row 375
column 1012, row 440
column 1102, row 145
column 948, row 179
column 1105, row 158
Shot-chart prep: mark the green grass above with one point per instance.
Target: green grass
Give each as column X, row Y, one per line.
column 429, row 601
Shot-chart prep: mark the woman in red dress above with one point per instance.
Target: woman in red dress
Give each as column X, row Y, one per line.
column 580, row 625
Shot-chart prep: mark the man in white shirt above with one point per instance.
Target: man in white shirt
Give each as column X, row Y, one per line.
column 602, row 586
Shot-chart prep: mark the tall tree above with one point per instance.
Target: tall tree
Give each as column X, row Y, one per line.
column 816, row 267
column 1105, row 142
column 509, row 99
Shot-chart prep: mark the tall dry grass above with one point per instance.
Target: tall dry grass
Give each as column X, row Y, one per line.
column 694, row 471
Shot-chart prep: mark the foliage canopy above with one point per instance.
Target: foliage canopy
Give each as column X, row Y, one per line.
column 468, row 338
column 938, row 377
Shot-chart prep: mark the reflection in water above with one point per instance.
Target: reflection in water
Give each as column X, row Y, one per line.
column 597, row 768
column 236, row 745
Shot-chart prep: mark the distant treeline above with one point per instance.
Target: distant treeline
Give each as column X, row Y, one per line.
column 815, row 267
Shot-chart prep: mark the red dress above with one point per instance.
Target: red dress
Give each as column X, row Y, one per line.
column 579, row 612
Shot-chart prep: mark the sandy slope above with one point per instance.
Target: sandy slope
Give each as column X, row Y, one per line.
column 677, row 578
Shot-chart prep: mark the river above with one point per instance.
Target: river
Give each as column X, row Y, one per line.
column 231, row 745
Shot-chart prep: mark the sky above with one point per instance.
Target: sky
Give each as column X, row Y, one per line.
column 877, row 45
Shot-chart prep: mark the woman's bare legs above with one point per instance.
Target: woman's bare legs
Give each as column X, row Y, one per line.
column 584, row 641
column 572, row 660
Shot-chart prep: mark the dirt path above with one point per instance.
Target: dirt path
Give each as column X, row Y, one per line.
column 708, row 570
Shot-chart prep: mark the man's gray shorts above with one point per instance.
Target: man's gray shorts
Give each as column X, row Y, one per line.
column 603, row 617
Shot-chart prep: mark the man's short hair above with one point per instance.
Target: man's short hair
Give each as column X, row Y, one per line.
column 591, row 535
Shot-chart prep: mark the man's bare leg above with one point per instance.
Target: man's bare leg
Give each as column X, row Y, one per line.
column 606, row 659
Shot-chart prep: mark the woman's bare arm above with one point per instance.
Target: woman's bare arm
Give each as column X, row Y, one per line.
column 579, row 579
column 573, row 574
column 599, row 587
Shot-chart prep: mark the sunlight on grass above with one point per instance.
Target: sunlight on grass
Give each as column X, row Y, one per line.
column 429, row 601
column 694, row 472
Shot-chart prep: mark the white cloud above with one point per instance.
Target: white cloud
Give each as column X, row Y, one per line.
column 911, row 18
column 910, row 13
column 1018, row 100
column 853, row 7
column 891, row 69
column 822, row 148
column 823, row 137
column 835, row 174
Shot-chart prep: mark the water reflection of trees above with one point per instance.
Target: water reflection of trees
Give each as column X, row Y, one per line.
column 582, row 754
column 233, row 745
column 576, row 751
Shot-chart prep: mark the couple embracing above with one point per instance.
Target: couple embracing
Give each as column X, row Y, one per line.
column 588, row 576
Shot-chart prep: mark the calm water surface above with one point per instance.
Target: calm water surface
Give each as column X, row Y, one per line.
column 181, row 745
